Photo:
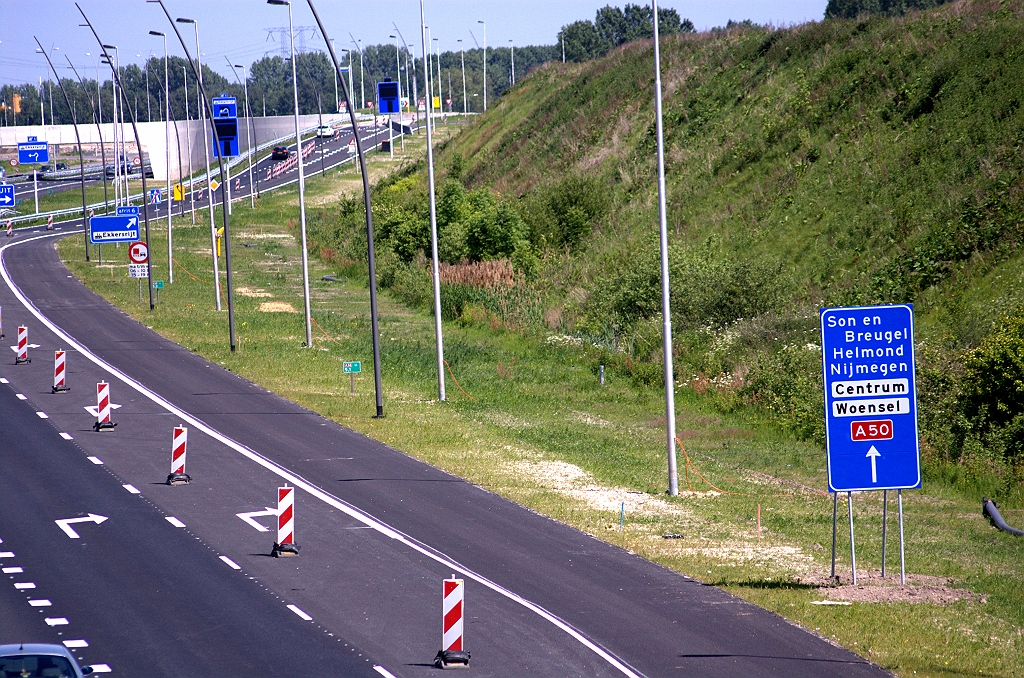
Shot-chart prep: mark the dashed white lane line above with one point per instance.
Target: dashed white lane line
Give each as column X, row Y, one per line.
column 358, row 514
column 76, row 643
column 24, row 585
column 41, row 602
column 303, row 615
column 100, row 668
column 232, row 564
column 95, row 460
column 4, row 381
column 66, row 436
column 6, row 554
column 21, row 396
column 383, row 671
column 42, row 415
column 174, row 521
column 12, row 570
column 131, row 488
column 56, row 621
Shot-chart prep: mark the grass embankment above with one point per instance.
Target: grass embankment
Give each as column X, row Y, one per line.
column 535, row 426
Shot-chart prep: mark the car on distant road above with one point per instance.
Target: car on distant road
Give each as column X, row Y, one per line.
column 326, row 132
column 38, row 659
column 279, row 153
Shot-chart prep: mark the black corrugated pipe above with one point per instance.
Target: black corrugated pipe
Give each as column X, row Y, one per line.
column 990, row 510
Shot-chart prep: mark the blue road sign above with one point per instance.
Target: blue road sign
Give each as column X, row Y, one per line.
column 127, row 210
column 33, row 151
column 870, row 398
column 225, row 122
column 389, row 99
column 120, row 228
column 7, row 198
column 154, row 196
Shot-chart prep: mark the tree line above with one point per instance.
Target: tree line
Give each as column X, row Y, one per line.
column 270, row 78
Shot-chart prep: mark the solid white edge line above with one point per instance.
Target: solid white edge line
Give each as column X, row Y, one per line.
column 383, row 671
column 303, row 615
column 174, row 521
column 299, row 482
column 232, row 564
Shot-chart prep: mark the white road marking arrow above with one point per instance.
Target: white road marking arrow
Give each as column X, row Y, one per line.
column 15, row 348
column 874, row 454
column 248, row 517
column 91, row 409
column 66, row 523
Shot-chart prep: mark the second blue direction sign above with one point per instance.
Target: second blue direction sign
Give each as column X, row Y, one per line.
column 122, row 227
column 870, row 398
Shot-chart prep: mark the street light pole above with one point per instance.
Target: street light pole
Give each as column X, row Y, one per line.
column 512, row 53
column 367, row 204
column 398, row 74
column 485, row 64
column 302, row 179
column 167, row 148
column 439, row 338
column 359, row 48
column 78, row 138
column 670, row 406
column 138, row 144
column 465, row 106
column 220, row 162
column 99, row 133
column 206, row 151
column 248, row 135
column 188, row 136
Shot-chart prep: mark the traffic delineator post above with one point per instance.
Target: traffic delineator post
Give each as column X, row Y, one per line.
column 179, row 441
column 60, row 382
column 49, row 223
column 452, row 654
column 21, row 356
column 103, row 408
column 10, row 234
column 285, row 545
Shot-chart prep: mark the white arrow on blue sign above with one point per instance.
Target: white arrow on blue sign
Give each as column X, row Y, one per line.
column 6, row 195
column 122, row 228
column 32, row 151
column 870, row 398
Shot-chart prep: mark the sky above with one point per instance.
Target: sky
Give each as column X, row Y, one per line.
column 236, row 29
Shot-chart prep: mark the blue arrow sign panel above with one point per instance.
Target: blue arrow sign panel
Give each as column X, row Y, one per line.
column 388, row 98
column 120, row 228
column 32, row 152
column 224, row 107
column 870, row 398
column 7, row 198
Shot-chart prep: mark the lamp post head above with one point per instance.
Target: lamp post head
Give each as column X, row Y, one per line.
column 113, row 47
column 278, row 2
column 183, row 20
column 157, row 33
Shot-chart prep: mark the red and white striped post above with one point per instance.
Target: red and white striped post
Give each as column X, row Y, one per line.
column 452, row 653
column 103, row 407
column 179, row 441
column 22, row 356
column 285, row 544
column 10, row 228
column 49, row 223
column 60, row 382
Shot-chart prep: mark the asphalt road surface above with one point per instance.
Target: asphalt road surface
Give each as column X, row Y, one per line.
column 378, row 532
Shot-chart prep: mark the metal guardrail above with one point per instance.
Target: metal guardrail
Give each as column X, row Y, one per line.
column 192, row 180
column 214, row 172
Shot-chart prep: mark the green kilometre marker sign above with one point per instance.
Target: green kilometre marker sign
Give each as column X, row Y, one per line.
column 352, row 368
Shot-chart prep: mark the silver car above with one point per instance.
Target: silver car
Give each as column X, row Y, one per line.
column 36, row 660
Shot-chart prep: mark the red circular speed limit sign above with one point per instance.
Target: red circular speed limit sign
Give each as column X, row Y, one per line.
column 14, row 162
column 138, row 253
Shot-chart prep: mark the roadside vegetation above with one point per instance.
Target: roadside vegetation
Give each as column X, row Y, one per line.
column 844, row 162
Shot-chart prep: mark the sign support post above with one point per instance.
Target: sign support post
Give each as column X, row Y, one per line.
column 885, row 516
column 853, row 548
column 903, row 567
column 835, row 510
